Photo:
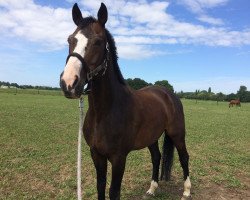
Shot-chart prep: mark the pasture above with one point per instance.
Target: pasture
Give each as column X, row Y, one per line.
column 38, row 143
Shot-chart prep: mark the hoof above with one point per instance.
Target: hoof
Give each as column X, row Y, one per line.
column 184, row 197
column 150, row 193
column 153, row 187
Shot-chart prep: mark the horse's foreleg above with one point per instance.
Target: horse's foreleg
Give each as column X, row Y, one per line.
column 100, row 163
column 156, row 158
column 118, row 166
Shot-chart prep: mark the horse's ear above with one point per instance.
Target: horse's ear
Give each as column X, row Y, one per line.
column 76, row 14
column 102, row 14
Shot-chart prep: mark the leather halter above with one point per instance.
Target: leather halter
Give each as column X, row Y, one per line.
column 92, row 73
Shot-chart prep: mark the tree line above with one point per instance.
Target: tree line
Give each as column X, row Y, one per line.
column 15, row 85
column 243, row 94
column 138, row 83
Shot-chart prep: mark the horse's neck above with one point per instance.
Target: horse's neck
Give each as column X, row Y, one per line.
column 105, row 91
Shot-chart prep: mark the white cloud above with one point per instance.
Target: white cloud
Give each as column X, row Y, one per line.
column 211, row 3
column 194, row 6
column 36, row 23
column 200, row 7
column 136, row 25
column 135, row 51
column 121, row 39
column 210, row 20
column 197, row 6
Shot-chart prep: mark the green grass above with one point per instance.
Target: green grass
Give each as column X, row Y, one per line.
column 31, row 91
column 38, row 143
column 218, row 140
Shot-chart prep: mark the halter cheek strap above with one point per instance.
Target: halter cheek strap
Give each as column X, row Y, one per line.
column 92, row 73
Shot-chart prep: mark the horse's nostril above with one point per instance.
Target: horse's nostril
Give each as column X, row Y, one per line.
column 75, row 82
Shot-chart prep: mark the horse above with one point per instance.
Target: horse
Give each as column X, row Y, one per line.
column 120, row 119
column 235, row 102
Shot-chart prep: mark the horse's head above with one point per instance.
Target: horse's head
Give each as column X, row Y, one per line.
column 87, row 52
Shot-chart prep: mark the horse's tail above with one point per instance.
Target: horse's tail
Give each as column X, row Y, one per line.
column 167, row 157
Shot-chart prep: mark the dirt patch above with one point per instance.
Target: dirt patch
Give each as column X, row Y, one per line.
column 218, row 192
column 210, row 191
column 215, row 191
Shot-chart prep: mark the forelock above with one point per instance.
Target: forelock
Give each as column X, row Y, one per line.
column 86, row 22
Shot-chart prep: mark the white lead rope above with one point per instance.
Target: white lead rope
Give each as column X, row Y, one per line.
column 79, row 152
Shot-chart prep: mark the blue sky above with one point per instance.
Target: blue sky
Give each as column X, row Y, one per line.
column 194, row 44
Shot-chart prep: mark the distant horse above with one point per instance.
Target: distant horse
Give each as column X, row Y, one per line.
column 120, row 119
column 234, row 102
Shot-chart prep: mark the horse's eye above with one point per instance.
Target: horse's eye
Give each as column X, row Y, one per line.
column 97, row 43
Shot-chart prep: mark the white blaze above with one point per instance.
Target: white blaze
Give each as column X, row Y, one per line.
column 74, row 65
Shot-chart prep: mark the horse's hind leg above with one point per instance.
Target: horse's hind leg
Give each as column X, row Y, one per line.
column 180, row 145
column 156, row 158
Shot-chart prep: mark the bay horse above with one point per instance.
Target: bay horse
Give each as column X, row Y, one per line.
column 235, row 102
column 120, row 119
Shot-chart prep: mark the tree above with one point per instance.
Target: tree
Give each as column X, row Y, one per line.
column 14, row 85
column 203, row 95
column 247, row 96
column 166, row 84
column 209, row 90
column 180, row 94
column 137, row 83
column 220, row 96
column 242, row 88
column 231, row 97
column 242, row 93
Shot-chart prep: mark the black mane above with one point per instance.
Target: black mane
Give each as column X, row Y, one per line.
column 113, row 51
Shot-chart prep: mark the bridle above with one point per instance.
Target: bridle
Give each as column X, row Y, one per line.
column 92, row 73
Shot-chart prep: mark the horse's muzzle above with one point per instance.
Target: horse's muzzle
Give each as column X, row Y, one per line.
column 74, row 90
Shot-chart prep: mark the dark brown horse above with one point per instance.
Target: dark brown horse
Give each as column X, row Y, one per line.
column 120, row 119
column 235, row 102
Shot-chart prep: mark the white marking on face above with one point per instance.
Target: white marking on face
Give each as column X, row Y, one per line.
column 74, row 65
column 187, row 187
column 152, row 188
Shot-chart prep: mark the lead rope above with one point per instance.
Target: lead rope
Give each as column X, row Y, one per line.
column 79, row 152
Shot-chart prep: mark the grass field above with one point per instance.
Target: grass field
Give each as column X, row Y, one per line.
column 31, row 91
column 38, row 142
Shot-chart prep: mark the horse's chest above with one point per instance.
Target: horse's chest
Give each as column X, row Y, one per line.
column 103, row 140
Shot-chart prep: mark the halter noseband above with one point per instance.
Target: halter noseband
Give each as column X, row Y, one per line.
column 92, row 73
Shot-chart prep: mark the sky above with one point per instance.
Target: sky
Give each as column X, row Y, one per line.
column 194, row 44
